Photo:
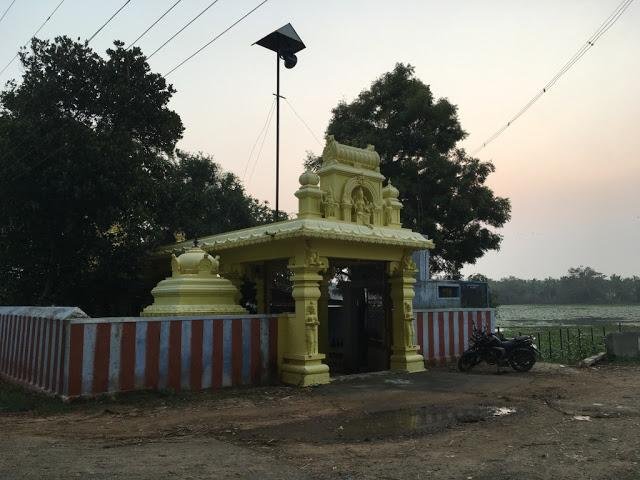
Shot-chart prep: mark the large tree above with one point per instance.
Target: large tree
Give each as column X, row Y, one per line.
column 90, row 180
column 84, row 142
column 442, row 188
column 201, row 199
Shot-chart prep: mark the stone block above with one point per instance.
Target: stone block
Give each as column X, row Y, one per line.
column 623, row 344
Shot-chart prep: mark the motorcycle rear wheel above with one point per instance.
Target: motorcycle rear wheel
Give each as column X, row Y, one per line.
column 522, row 359
column 467, row 361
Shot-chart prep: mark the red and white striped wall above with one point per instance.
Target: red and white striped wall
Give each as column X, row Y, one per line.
column 32, row 345
column 444, row 334
column 179, row 353
column 74, row 357
column 61, row 351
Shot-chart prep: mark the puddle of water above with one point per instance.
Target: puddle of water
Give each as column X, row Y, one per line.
column 378, row 425
column 409, row 421
column 398, row 381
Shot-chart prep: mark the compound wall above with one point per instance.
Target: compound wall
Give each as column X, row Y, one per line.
column 58, row 352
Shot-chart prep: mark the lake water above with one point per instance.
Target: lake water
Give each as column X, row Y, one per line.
column 530, row 315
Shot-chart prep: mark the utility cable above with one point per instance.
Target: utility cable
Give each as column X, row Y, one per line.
column 109, row 20
column 215, row 38
column 4, row 14
column 604, row 27
column 264, row 127
column 182, row 29
column 153, row 25
column 303, row 122
column 264, row 137
column 89, row 40
column 51, row 153
column 36, row 33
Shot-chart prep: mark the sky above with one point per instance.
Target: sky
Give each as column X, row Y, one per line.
column 570, row 165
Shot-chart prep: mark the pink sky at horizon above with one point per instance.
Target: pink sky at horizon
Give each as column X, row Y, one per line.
column 570, row 165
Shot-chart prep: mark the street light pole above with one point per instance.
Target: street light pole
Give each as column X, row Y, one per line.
column 286, row 43
column 277, row 135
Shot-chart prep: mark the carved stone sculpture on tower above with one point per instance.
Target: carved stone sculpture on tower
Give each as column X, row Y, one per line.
column 329, row 204
column 361, row 207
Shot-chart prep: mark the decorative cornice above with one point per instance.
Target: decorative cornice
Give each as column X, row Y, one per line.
column 308, row 229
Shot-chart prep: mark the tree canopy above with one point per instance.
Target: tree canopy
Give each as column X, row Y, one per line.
column 202, row 199
column 442, row 188
column 91, row 180
column 581, row 285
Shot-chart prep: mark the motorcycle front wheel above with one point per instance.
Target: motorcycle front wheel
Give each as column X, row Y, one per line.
column 467, row 361
column 522, row 359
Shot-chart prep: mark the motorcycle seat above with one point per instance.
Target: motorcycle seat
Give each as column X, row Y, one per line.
column 523, row 337
column 508, row 344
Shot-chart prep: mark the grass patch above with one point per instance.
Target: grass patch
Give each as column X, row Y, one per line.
column 565, row 344
column 16, row 399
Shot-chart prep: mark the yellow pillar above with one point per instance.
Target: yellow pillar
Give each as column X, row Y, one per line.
column 404, row 356
column 302, row 364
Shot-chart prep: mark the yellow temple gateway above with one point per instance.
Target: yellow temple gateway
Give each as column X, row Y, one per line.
column 346, row 217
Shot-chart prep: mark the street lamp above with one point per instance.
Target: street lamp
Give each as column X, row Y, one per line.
column 286, row 43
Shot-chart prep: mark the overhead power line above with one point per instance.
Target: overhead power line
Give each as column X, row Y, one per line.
column 35, row 33
column 108, row 21
column 215, row 38
column 606, row 25
column 183, row 28
column 262, row 130
column 153, row 25
column 264, row 137
column 4, row 14
column 303, row 122
column 51, row 153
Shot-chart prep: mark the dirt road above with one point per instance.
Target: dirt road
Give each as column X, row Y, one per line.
column 554, row 422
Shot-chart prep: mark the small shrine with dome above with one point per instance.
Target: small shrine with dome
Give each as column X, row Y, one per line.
column 194, row 288
column 346, row 216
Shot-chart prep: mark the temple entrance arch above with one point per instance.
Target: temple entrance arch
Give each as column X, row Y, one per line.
column 325, row 233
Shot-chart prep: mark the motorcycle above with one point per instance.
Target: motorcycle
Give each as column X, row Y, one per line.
column 520, row 352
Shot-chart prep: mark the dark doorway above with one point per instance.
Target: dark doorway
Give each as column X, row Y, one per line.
column 359, row 320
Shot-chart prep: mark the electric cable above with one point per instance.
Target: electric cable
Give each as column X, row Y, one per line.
column 182, row 29
column 244, row 173
column 4, row 14
column 590, row 43
column 88, row 41
column 36, row 33
column 303, row 122
column 153, row 25
column 108, row 21
column 46, row 157
column 215, row 38
column 266, row 130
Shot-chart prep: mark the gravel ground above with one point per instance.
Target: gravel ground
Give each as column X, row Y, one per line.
column 553, row 422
